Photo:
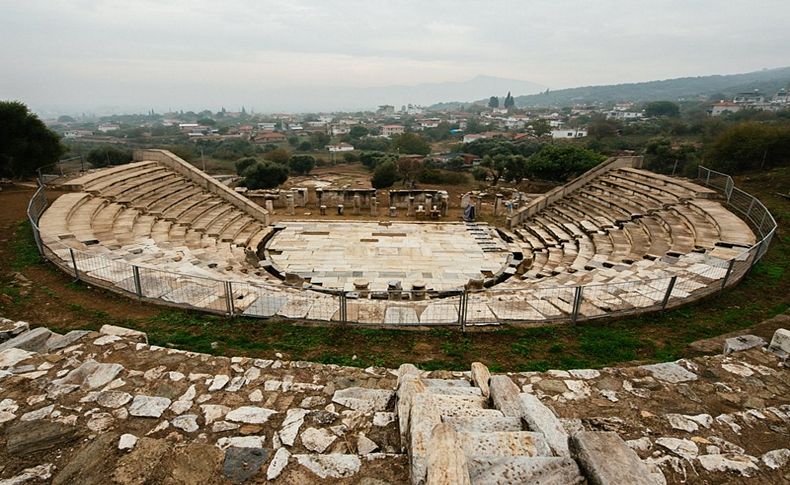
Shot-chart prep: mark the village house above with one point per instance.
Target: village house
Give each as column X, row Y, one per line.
column 392, row 130
column 269, row 137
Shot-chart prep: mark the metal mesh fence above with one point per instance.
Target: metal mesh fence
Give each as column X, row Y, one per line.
column 695, row 276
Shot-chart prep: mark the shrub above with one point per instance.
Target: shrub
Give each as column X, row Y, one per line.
column 264, row 175
column 350, row 157
column 25, row 141
column 479, row 173
column 302, row 164
column 108, row 155
column 561, row 162
column 278, row 155
column 243, row 164
column 385, row 175
column 442, row 177
column 409, row 143
column 750, row 146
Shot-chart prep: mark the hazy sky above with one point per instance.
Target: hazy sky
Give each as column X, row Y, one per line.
column 138, row 54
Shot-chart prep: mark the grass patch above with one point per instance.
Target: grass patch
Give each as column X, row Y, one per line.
column 604, row 345
column 23, row 246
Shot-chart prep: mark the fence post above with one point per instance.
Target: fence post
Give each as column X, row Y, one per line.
column 760, row 227
column 37, row 239
column 577, row 303
column 727, row 274
column 343, row 307
column 707, row 179
column 229, row 297
column 749, row 210
column 74, row 263
column 670, row 287
column 462, row 310
column 138, row 288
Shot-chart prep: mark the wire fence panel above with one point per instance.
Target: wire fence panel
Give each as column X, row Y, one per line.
column 520, row 305
column 441, row 311
column 624, row 297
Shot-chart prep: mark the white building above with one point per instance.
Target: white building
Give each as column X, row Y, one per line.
column 392, row 130
column 722, row 107
column 782, row 98
column 469, row 138
column 71, row 134
column 570, row 133
column 430, row 122
column 338, row 130
column 340, row 147
column 624, row 115
column 105, row 127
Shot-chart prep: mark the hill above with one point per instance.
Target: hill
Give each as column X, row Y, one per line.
column 768, row 81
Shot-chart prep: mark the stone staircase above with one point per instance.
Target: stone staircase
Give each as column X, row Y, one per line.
column 484, row 430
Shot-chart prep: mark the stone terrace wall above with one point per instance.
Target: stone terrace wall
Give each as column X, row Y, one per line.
column 107, row 407
column 539, row 203
column 279, row 197
column 400, row 198
column 334, row 197
column 204, row 181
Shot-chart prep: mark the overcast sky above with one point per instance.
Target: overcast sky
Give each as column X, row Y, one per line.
column 138, row 54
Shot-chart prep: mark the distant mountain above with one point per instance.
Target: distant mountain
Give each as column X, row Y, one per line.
column 363, row 99
column 428, row 93
column 767, row 81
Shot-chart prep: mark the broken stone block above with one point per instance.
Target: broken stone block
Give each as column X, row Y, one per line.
column 741, row 343
column 33, row 341
column 250, row 415
column 278, row 464
column 780, row 343
column 480, row 376
column 124, row 332
column 29, row 437
column 330, row 466
column 90, row 375
column 525, row 469
column 542, row 419
column 671, row 372
column 317, row 440
column 241, row 464
column 606, row 460
column 148, row 406
column 505, row 395
column 363, row 399
column 127, row 441
column 13, row 356
column 446, row 459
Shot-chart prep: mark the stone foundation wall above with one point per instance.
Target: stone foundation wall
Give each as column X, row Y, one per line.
column 278, row 197
column 400, row 198
column 346, row 197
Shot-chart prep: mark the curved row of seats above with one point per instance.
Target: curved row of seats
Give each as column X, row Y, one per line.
column 627, row 215
column 148, row 214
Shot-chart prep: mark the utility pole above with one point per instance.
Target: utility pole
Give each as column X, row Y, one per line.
column 203, row 160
